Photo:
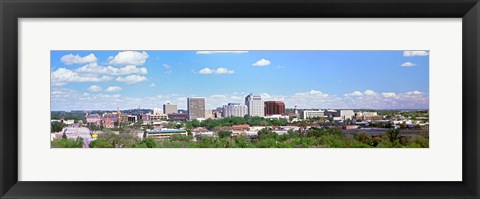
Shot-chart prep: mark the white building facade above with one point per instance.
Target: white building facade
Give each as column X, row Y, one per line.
column 313, row 113
column 234, row 110
column 255, row 105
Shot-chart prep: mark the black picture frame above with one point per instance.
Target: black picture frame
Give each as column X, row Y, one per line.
column 12, row 10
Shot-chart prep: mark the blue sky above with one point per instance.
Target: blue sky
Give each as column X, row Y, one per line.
column 307, row 79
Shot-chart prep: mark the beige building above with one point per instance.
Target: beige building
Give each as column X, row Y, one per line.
column 169, row 108
column 155, row 117
column 196, row 108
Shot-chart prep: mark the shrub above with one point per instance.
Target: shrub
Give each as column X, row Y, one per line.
column 101, row 144
column 224, row 134
column 67, row 143
column 363, row 138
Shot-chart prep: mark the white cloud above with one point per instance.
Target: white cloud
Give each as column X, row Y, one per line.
column 62, row 76
column 114, row 88
column 411, row 53
column 218, row 71
column 414, row 93
column 152, row 85
column 408, row 64
column 129, row 58
column 94, row 88
column 224, row 71
column 167, row 66
column 77, row 59
column 314, row 93
column 206, row 71
column 369, row 92
column 389, row 95
column 262, row 62
column 222, row 51
column 168, row 69
column 354, row 94
column 67, row 99
column 265, row 96
column 97, row 69
column 131, row 79
column 218, row 97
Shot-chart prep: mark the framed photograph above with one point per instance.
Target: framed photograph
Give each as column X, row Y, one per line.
column 233, row 99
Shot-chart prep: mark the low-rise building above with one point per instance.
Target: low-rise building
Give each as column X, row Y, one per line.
column 340, row 114
column 239, row 129
column 208, row 114
column 367, row 115
column 165, row 133
column 69, row 122
column 94, row 119
column 312, row 114
column 132, row 118
column 76, row 132
column 158, row 116
column 180, row 117
column 279, row 117
column 109, row 122
column 201, row 131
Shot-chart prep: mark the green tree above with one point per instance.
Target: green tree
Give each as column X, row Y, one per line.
column 224, row 134
column 171, row 125
column 266, row 133
column 393, row 135
column 67, row 143
column 363, row 137
column 56, row 127
column 101, row 144
column 147, row 143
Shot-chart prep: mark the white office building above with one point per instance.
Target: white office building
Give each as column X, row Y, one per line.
column 313, row 114
column 234, row 110
column 339, row 114
column 255, row 105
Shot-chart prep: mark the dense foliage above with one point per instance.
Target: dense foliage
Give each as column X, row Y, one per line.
column 67, row 143
column 56, row 127
column 312, row 138
column 229, row 121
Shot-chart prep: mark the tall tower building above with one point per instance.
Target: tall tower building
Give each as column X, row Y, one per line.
column 234, row 110
column 196, row 107
column 169, row 108
column 255, row 105
column 274, row 108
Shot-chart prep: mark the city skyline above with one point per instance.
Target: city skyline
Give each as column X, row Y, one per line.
column 105, row 80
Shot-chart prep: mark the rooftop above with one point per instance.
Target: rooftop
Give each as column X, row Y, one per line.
column 166, row 131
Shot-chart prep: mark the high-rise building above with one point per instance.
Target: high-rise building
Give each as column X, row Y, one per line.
column 274, row 108
column 255, row 105
column 234, row 110
column 169, row 108
column 196, row 107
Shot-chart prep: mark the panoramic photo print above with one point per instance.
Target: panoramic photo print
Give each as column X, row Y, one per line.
column 239, row 99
